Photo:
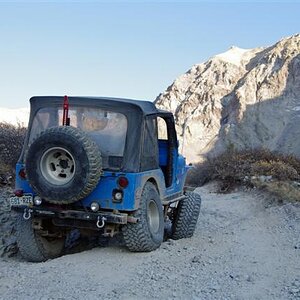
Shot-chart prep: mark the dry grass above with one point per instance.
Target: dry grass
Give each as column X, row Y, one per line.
column 277, row 173
column 11, row 143
column 281, row 190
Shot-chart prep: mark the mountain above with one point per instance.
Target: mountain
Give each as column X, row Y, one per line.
column 14, row 116
column 243, row 98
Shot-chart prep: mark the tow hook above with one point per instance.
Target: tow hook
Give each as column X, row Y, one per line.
column 27, row 213
column 103, row 219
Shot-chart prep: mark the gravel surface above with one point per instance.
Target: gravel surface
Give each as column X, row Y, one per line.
column 8, row 245
column 243, row 248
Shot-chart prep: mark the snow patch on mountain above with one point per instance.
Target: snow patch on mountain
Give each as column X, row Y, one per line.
column 14, row 116
column 236, row 55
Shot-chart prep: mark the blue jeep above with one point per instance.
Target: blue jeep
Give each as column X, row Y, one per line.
column 101, row 166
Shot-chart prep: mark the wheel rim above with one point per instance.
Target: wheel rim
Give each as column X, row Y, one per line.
column 57, row 166
column 153, row 216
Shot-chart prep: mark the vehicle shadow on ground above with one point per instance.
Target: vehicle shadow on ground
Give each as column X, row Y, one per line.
column 77, row 243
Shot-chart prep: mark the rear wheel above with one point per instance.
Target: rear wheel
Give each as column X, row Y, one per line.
column 33, row 245
column 186, row 216
column 147, row 234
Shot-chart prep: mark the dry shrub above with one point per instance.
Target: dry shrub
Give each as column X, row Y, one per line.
column 282, row 190
column 11, row 143
column 199, row 174
column 229, row 168
column 234, row 168
column 277, row 169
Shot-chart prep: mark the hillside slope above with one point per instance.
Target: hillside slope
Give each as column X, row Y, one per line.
column 248, row 98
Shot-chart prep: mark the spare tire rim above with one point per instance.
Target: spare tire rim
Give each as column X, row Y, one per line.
column 153, row 216
column 57, row 166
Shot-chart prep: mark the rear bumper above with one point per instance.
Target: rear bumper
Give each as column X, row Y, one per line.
column 108, row 217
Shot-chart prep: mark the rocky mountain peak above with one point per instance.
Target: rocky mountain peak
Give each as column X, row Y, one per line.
column 237, row 56
column 243, row 97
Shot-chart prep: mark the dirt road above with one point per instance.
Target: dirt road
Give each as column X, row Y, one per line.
column 241, row 250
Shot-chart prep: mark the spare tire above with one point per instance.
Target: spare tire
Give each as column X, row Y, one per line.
column 63, row 165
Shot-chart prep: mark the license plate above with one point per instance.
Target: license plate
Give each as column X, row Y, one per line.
column 26, row 200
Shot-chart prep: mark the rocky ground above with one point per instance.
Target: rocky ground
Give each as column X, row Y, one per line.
column 244, row 247
column 8, row 245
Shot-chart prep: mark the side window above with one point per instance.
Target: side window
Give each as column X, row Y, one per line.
column 149, row 159
column 162, row 129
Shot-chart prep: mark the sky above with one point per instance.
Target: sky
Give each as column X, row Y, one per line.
column 129, row 49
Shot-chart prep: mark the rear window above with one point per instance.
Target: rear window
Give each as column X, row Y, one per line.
column 108, row 129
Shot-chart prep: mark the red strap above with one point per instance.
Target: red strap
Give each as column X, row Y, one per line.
column 66, row 111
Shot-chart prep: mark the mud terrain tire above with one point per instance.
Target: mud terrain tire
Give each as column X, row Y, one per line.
column 147, row 234
column 34, row 247
column 186, row 217
column 63, row 165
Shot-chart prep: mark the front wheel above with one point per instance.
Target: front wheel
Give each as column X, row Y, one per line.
column 35, row 247
column 186, row 216
column 147, row 234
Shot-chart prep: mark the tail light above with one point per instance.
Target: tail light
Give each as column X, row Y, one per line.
column 22, row 173
column 123, row 182
column 19, row 193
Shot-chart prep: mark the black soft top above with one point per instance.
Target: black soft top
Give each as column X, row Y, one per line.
column 144, row 107
column 141, row 132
